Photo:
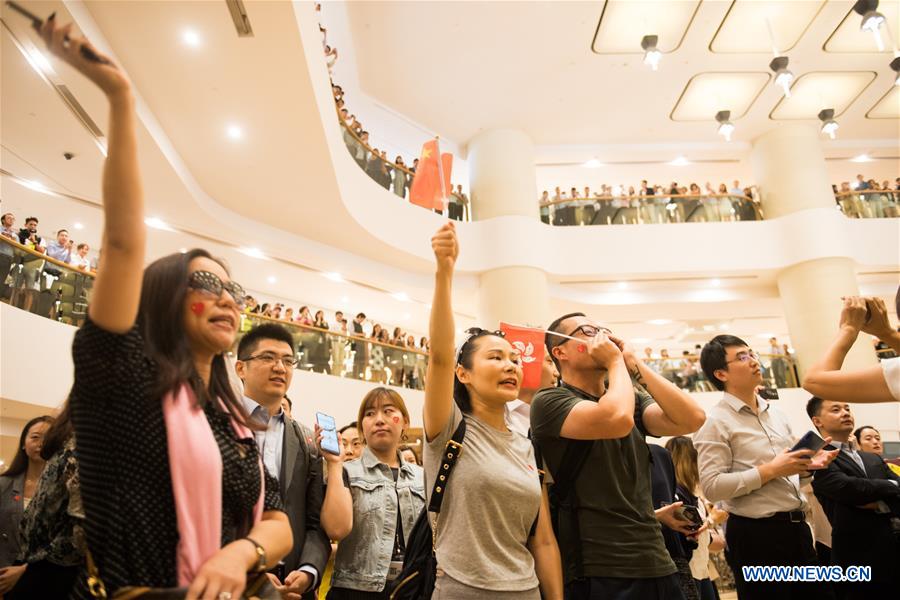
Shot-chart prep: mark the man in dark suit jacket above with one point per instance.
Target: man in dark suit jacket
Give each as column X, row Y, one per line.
column 359, row 348
column 288, row 450
column 861, row 498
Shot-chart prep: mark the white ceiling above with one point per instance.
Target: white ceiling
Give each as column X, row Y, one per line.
column 530, row 66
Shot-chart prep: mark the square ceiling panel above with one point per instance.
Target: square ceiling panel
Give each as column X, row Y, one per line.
column 623, row 24
column 849, row 38
column 816, row 90
column 751, row 25
column 708, row 93
column 888, row 107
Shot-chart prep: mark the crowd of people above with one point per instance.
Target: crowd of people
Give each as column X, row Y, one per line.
column 650, row 204
column 171, row 472
column 867, row 199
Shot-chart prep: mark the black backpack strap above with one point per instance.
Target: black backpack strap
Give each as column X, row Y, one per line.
column 539, row 462
column 573, row 460
column 452, row 449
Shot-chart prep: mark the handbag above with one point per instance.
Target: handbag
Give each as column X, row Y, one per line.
column 258, row 588
column 416, row 579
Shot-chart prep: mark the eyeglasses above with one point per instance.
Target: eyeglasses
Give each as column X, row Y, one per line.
column 744, row 357
column 473, row 332
column 210, row 283
column 269, row 360
column 590, row 330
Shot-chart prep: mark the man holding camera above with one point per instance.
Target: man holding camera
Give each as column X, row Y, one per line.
column 746, row 461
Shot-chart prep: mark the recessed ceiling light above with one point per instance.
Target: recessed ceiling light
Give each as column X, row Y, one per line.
column 190, row 38
column 723, row 327
column 183, row 250
column 252, row 252
column 680, row 162
column 652, row 55
column 622, row 284
column 272, row 279
column 862, row 158
column 77, row 226
column 709, row 328
column 406, row 316
column 659, row 321
column 401, row 296
column 157, row 223
column 336, row 277
column 234, row 132
column 37, row 186
column 592, row 164
column 715, row 282
column 345, row 300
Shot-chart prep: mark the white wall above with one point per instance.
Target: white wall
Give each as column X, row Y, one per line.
column 36, row 368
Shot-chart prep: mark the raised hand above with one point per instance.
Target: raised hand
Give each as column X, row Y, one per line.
column 603, row 350
column 102, row 71
column 445, row 246
column 853, row 315
column 878, row 324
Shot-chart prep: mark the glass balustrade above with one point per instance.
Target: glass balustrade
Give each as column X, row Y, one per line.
column 778, row 370
column 869, row 204
column 55, row 290
column 633, row 210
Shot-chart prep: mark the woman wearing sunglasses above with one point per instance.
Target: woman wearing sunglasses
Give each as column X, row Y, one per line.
column 173, row 488
column 493, row 507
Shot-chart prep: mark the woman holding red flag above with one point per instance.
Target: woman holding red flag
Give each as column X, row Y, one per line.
column 510, row 550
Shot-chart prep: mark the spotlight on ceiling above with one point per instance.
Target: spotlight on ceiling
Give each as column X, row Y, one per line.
column 871, row 20
column 783, row 76
column 651, row 52
column 829, row 125
column 895, row 65
column 726, row 127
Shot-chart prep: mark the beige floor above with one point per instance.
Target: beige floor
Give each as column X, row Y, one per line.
column 728, row 596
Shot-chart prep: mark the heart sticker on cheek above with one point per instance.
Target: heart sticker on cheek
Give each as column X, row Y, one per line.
column 197, row 308
column 396, row 420
column 582, row 347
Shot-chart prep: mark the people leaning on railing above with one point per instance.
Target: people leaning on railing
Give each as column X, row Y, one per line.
column 866, row 199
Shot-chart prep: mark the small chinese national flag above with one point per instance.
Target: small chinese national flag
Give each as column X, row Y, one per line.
column 530, row 344
column 426, row 186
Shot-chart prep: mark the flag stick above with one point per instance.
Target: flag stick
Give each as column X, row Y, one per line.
column 440, row 162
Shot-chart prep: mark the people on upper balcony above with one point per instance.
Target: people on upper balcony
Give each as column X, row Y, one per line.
column 8, row 221
column 28, row 235
column 399, row 177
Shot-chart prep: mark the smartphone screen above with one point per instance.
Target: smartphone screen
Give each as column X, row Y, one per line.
column 809, row 441
column 329, row 433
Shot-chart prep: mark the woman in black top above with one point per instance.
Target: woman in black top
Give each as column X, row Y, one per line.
column 151, row 336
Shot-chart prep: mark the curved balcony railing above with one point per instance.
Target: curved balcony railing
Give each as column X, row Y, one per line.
column 56, row 290
column 779, row 371
column 639, row 209
column 869, row 204
column 394, row 177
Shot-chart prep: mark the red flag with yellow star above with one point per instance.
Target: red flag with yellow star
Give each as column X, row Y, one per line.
column 426, row 189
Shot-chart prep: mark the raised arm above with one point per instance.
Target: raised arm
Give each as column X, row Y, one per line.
column 675, row 411
column 441, row 328
column 117, row 289
column 825, row 378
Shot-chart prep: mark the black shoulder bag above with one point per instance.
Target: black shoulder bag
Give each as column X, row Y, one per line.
column 416, row 580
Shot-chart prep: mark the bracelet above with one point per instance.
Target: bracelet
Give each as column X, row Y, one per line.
column 260, row 565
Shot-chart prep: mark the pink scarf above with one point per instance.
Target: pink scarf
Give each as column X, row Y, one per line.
column 196, row 466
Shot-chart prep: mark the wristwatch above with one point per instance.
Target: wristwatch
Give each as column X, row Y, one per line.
column 260, row 565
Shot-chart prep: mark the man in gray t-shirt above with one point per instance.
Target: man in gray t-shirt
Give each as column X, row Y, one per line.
column 616, row 548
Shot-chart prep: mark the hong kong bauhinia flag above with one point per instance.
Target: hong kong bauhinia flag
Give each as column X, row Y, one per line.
column 530, row 344
column 426, row 189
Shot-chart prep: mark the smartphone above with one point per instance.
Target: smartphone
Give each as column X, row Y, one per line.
column 38, row 22
column 809, row 441
column 690, row 513
column 329, row 434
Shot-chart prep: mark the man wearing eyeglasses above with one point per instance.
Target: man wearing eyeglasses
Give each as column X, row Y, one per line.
column 591, row 435
column 745, row 462
column 265, row 364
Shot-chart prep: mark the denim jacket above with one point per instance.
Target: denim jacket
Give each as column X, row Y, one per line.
column 364, row 556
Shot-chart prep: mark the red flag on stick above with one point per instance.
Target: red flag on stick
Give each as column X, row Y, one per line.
column 530, row 344
column 426, row 190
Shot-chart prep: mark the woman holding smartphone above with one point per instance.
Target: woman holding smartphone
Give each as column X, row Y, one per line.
column 494, row 499
column 387, row 494
column 174, row 491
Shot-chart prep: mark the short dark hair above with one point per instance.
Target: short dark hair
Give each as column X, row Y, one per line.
column 81, row 245
column 267, row 331
column 859, row 431
column 713, row 356
column 361, row 316
column 350, row 425
column 551, row 341
column 62, row 231
column 30, row 219
column 814, row 406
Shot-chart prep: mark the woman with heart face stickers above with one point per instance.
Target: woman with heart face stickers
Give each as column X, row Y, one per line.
column 174, row 492
column 387, row 493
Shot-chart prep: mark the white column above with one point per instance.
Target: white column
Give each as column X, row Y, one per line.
column 502, row 182
column 789, row 167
